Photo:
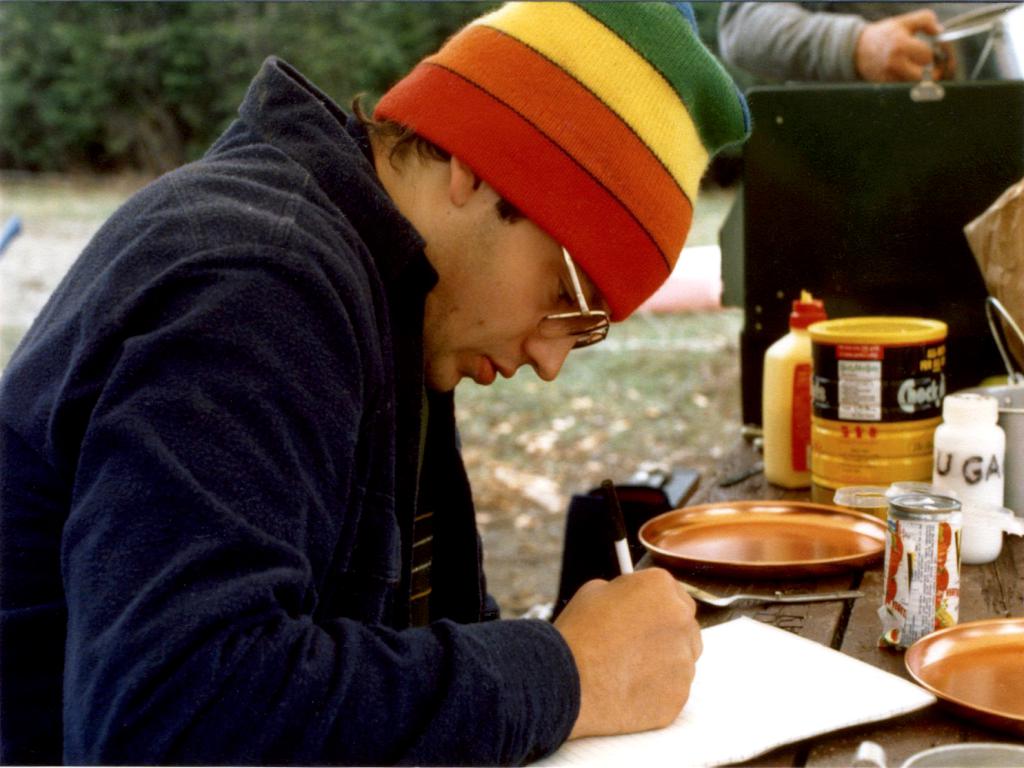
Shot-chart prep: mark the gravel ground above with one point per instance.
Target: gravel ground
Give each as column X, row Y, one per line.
column 660, row 392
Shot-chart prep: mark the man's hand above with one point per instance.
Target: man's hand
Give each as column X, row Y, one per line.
column 887, row 50
column 635, row 641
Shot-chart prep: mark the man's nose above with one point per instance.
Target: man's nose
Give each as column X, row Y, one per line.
column 548, row 355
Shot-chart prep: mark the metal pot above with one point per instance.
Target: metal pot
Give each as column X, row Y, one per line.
column 994, row 754
column 986, row 44
column 1011, row 405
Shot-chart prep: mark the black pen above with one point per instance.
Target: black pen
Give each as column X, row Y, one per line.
column 619, row 527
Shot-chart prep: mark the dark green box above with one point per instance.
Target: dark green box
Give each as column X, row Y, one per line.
column 859, row 194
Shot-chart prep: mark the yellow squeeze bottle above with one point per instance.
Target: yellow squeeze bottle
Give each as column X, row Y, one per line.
column 786, row 398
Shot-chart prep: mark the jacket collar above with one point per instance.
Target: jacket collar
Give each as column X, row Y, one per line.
column 291, row 113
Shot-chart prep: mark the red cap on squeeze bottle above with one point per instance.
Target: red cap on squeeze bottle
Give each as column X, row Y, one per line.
column 806, row 310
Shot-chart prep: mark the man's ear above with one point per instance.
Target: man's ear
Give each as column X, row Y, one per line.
column 463, row 183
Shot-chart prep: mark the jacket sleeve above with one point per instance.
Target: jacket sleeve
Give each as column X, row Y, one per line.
column 785, row 41
column 218, row 473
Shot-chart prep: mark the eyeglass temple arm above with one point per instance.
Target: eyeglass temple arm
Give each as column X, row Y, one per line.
column 574, row 276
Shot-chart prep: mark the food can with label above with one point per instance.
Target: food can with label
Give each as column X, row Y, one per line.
column 922, row 568
column 876, row 396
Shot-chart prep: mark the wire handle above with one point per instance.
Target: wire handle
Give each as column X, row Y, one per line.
column 992, row 304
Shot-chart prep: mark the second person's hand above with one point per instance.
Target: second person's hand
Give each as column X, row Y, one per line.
column 888, row 50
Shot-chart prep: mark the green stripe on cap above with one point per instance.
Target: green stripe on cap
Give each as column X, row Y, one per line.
column 720, row 121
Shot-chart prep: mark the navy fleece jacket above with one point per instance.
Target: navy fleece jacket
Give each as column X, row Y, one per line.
column 208, row 448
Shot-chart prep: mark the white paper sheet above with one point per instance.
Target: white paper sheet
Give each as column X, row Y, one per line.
column 757, row 687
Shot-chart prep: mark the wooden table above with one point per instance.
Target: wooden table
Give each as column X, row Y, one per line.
column 852, row 626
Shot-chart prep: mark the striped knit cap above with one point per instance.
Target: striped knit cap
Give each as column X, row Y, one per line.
column 595, row 120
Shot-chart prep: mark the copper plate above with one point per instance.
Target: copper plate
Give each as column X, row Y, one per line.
column 764, row 539
column 977, row 668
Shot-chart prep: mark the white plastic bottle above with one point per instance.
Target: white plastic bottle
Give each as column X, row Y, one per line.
column 970, row 449
column 786, row 398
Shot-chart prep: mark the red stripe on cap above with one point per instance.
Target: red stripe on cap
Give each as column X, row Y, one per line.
column 535, row 175
column 597, row 137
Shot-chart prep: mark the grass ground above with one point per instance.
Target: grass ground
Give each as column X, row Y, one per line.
column 660, row 392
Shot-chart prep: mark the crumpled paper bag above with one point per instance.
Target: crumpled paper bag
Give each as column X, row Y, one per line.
column 996, row 238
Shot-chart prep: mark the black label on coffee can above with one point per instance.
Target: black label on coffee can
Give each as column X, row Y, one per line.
column 878, row 383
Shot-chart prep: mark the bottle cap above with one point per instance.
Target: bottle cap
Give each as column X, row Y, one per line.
column 970, row 408
column 806, row 310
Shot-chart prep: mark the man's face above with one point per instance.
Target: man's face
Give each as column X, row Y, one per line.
column 497, row 281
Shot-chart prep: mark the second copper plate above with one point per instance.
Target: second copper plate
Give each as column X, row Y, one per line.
column 764, row 539
column 977, row 668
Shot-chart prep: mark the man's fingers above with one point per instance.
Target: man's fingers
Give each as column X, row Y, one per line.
column 635, row 641
column 918, row 51
column 690, row 606
column 924, row 20
column 907, row 71
column 697, row 645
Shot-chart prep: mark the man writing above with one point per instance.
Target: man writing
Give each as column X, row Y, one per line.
column 236, row 526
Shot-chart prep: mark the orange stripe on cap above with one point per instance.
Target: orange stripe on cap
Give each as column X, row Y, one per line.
column 622, row 78
column 538, row 176
column 596, row 137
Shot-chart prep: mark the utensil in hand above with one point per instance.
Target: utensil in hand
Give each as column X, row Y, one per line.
column 722, row 601
column 618, row 526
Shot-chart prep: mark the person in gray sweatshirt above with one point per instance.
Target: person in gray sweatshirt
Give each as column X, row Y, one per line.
column 840, row 42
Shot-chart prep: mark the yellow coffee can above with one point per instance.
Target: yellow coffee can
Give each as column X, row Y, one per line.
column 877, row 388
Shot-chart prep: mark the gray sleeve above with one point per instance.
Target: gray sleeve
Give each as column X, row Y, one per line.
column 784, row 41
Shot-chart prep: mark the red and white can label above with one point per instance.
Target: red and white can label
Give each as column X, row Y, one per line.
column 922, row 580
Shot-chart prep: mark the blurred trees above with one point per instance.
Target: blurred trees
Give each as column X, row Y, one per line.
column 147, row 85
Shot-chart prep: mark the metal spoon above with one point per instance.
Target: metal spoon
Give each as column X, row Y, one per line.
column 778, row 597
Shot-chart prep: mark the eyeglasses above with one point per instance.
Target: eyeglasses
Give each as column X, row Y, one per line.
column 587, row 325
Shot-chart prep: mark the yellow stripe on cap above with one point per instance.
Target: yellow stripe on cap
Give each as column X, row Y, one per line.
column 602, row 61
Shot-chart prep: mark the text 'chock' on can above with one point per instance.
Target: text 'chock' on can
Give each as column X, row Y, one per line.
column 876, row 395
column 922, row 568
